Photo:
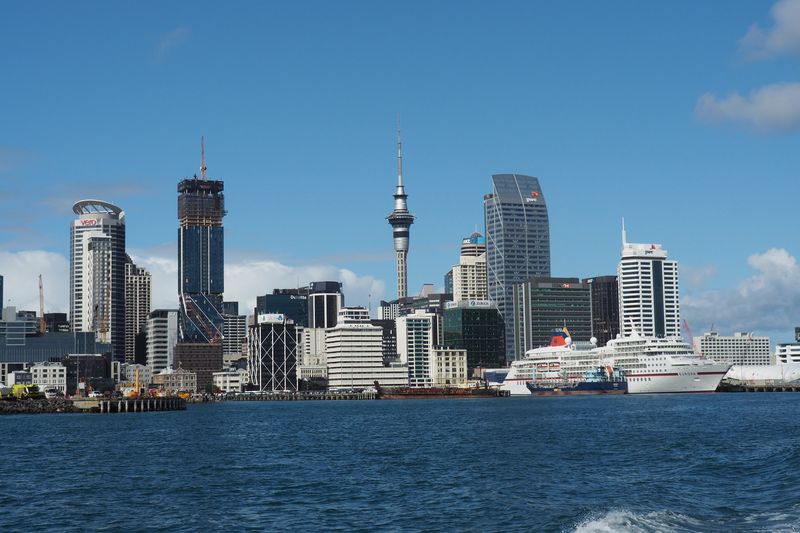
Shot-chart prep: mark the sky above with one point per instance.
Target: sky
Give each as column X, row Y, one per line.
column 683, row 117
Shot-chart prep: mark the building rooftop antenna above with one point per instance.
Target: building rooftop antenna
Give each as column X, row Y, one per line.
column 202, row 158
column 624, row 233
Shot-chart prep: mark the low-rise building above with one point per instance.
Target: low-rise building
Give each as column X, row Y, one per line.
column 449, row 367
column 231, row 380
column 128, row 374
column 49, row 376
column 787, row 353
column 354, row 353
column 741, row 349
column 19, row 377
column 173, row 381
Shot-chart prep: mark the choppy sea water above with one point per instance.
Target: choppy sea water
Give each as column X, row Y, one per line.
column 718, row 462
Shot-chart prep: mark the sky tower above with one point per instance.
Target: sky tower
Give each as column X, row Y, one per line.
column 400, row 220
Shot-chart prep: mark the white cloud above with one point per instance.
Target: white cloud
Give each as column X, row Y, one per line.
column 245, row 279
column 696, row 276
column 766, row 301
column 20, row 271
column 772, row 108
column 171, row 40
column 783, row 37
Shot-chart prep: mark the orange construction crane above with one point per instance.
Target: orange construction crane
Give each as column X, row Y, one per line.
column 42, row 325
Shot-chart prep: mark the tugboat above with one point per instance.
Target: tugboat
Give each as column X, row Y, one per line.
column 600, row 380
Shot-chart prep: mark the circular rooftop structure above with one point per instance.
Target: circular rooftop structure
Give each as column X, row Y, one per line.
column 95, row 207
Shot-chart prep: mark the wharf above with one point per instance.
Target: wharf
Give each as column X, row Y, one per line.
column 129, row 405
column 297, row 396
column 759, row 386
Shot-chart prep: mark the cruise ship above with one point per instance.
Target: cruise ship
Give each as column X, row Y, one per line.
column 656, row 365
column 561, row 358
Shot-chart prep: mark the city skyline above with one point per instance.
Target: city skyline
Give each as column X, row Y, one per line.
column 639, row 154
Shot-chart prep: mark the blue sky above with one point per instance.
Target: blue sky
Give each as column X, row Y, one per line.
column 603, row 102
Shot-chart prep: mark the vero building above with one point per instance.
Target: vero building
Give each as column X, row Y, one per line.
column 517, row 241
column 97, row 273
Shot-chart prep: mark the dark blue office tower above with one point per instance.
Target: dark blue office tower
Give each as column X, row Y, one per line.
column 201, row 258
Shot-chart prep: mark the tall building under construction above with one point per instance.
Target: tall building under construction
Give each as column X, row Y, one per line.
column 201, row 271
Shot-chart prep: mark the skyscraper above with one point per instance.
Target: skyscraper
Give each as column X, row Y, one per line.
column 400, row 220
column 469, row 275
column 201, row 206
column 648, row 291
column 137, row 306
column 201, row 262
column 605, row 308
column 97, row 273
column 517, row 241
column 542, row 305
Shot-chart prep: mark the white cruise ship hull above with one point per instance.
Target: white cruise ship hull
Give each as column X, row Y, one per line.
column 705, row 378
column 516, row 387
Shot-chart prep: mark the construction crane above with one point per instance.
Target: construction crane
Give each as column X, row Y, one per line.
column 42, row 325
column 203, row 158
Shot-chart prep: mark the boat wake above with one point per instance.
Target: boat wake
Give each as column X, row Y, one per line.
column 622, row 521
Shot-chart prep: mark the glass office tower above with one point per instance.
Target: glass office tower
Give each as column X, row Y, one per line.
column 517, row 241
column 201, row 206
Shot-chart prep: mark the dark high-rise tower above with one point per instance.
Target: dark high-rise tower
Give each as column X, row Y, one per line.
column 201, row 206
column 605, row 308
column 401, row 221
column 517, row 242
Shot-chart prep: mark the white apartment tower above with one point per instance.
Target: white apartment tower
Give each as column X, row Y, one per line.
column 138, row 294
column 469, row 275
column 416, row 337
column 648, row 291
column 354, row 353
column 97, row 273
column 162, row 336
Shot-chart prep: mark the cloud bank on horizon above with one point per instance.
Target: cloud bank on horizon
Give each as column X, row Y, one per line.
column 244, row 280
column 768, row 301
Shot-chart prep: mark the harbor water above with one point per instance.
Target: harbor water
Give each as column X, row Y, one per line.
column 705, row 462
